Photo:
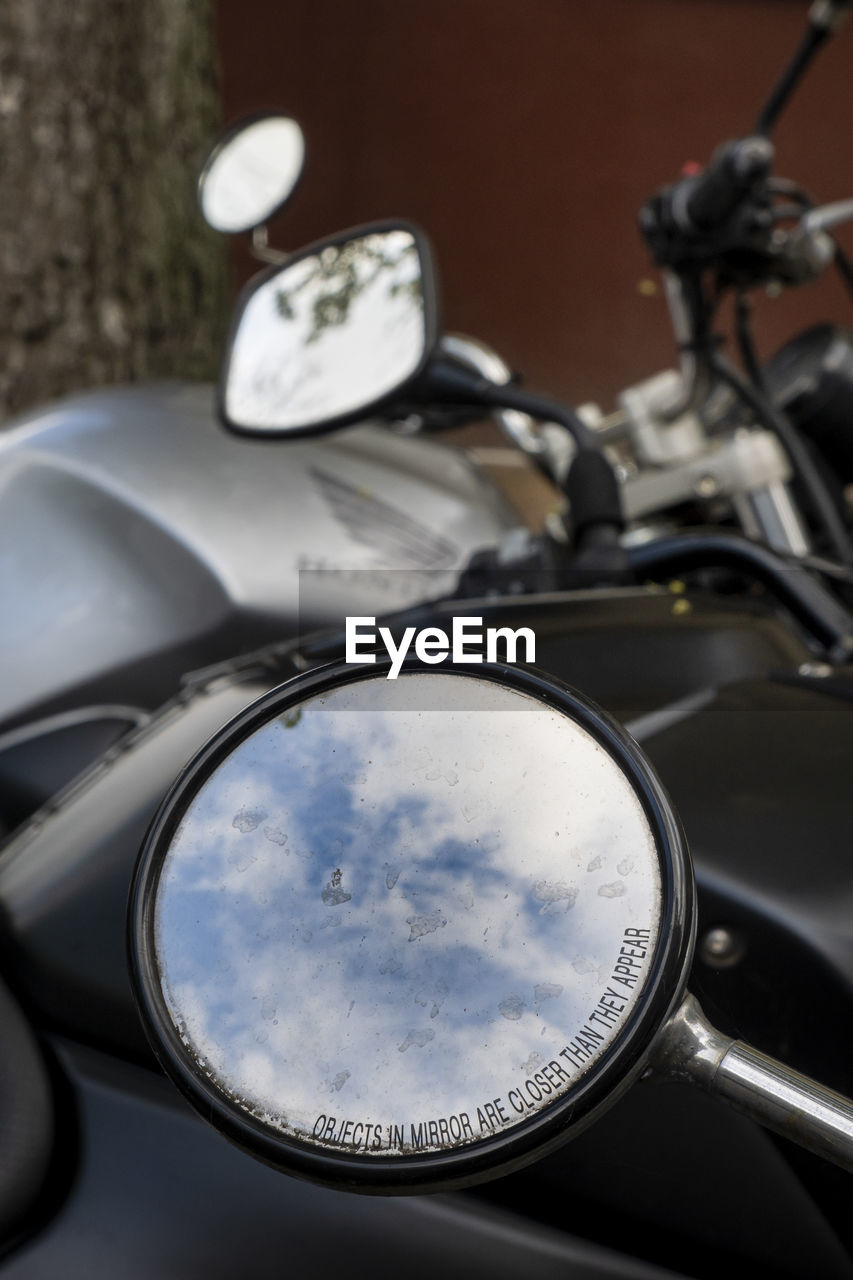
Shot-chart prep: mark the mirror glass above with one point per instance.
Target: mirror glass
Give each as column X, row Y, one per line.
column 406, row 916
column 251, row 173
column 328, row 335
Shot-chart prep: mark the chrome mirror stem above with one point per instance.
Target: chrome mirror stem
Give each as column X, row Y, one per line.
column 776, row 1096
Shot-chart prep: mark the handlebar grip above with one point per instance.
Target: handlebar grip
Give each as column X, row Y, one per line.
column 709, row 200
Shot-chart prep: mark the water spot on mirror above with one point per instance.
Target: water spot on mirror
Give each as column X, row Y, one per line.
column 333, row 894
column 614, row 890
column 434, row 997
column 511, row 1008
column 416, row 1038
column 275, row 836
column 546, row 991
column 422, row 925
column 554, row 894
column 241, row 860
column 248, row 819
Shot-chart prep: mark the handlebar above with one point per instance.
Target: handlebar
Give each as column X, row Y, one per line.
column 806, row 598
column 707, row 201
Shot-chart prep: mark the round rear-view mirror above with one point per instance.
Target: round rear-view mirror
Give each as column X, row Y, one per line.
column 250, row 172
column 400, row 935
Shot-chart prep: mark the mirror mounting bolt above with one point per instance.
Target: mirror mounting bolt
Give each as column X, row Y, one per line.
column 721, row 948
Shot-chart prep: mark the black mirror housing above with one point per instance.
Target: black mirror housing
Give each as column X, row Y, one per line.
column 333, row 336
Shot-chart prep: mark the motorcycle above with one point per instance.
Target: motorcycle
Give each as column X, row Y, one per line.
column 108, row 1170
column 128, row 559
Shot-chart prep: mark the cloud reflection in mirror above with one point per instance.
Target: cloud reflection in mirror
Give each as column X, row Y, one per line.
column 398, row 914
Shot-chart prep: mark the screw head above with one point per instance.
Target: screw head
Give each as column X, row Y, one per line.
column 721, row 948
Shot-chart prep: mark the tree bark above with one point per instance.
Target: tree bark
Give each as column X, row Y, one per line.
column 107, row 272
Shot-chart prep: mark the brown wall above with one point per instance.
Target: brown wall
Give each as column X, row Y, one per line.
column 523, row 136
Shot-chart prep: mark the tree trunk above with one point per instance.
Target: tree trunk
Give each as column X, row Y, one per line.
column 107, row 272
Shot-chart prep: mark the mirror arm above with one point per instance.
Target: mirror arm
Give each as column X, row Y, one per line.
column 824, row 18
column 444, row 381
column 261, row 249
column 591, row 484
column 521, row 429
column 691, row 1050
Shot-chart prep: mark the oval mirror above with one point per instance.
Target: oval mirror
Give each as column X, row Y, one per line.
column 332, row 336
column 397, row 935
column 251, row 172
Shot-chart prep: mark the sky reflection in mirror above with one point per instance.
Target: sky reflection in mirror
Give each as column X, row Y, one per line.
column 375, row 915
